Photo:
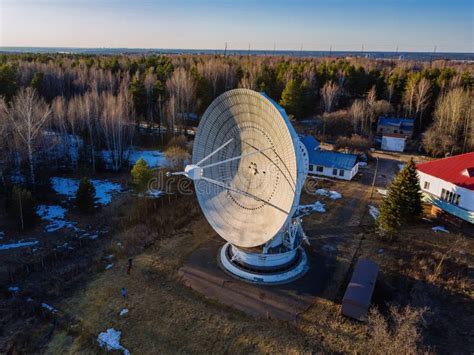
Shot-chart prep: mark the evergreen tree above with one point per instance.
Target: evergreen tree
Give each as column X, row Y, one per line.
column 291, row 99
column 141, row 175
column 139, row 97
column 21, row 207
column 402, row 203
column 8, row 81
column 85, row 196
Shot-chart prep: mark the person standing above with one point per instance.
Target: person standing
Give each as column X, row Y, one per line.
column 129, row 266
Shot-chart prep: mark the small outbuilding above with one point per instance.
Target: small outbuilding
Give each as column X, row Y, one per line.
column 393, row 142
column 358, row 296
column 395, row 125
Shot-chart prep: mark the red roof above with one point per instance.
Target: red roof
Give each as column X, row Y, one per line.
column 456, row 170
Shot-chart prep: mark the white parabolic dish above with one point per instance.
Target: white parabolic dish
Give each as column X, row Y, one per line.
column 249, row 200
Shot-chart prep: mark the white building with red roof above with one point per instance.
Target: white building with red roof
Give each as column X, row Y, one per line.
column 448, row 183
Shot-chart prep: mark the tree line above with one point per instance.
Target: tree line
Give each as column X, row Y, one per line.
column 98, row 101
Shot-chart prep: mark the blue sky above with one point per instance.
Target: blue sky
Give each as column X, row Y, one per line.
column 343, row 24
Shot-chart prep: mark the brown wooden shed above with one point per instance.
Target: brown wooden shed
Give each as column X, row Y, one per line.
column 357, row 299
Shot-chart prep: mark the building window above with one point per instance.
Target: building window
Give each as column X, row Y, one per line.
column 334, row 171
column 450, row 197
column 341, row 172
column 319, row 169
column 426, row 186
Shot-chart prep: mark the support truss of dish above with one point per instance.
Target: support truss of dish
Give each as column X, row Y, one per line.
column 249, row 168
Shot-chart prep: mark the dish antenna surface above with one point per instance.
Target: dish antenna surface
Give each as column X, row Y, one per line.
column 249, row 167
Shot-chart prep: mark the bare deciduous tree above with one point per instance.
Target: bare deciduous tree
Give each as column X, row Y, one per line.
column 422, row 96
column 28, row 115
column 182, row 86
column 329, row 94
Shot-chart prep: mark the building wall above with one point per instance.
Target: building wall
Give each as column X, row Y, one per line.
column 465, row 208
column 381, row 129
column 393, row 144
column 348, row 174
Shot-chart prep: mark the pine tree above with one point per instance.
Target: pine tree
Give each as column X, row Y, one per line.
column 85, row 196
column 291, row 99
column 141, row 175
column 402, row 203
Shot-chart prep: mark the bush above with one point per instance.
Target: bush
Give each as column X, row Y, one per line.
column 21, row 207
column 141, row 175
column 354, row 143
column 179, row 141
column 399, row 334
column 85, row 196
column 177, row 157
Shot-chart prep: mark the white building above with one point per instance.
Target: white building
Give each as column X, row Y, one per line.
column 449, row 184
column 393, row 142
column 328, row 163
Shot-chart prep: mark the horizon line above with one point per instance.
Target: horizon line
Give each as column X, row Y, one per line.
column 244, row 49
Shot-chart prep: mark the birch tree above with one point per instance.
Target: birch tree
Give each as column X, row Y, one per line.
column 28, row 115
column 329, row 94
column 422, row 99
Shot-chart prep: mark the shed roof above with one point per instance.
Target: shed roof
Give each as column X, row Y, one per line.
column 331, row 159
column 455, row 170
column 404, row 123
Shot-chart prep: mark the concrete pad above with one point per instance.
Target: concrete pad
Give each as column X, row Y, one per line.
column 284, row 302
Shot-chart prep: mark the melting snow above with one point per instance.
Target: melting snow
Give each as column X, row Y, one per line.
column 19, row 244
column 55, row 215
column 440, row 229
column 14, row 289
column 374, row 211
column 108, row 267
column 333, row 195
column 316, row 207
column 103, row 188
column 49, row 308
column 124, row 311
column 383, row 192
column 153, row 158
column 110, row 340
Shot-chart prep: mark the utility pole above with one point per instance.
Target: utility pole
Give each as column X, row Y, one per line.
column 375, row 176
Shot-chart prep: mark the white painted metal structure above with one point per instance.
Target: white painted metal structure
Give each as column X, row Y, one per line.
column 249, row 168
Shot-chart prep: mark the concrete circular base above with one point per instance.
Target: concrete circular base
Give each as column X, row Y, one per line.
column 275, row 268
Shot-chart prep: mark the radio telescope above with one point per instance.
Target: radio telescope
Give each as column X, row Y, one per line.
column 249, row 167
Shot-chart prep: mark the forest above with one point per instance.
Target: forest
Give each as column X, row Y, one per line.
column 66, row 111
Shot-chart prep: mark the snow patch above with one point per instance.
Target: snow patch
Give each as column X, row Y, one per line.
column 316, row 207
column 362, row 164
column 19, row 244
column 14, row 289
column 108, row 267
column 383, row 192
column 2, row 234
column 110, row 340
column 400, row 166
column 333, row 195
column 374, row 211
column 440, row 229
column 49, row 308
column 154, row 158
column 55, row 216
column 68, row 187
column 123, row 311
